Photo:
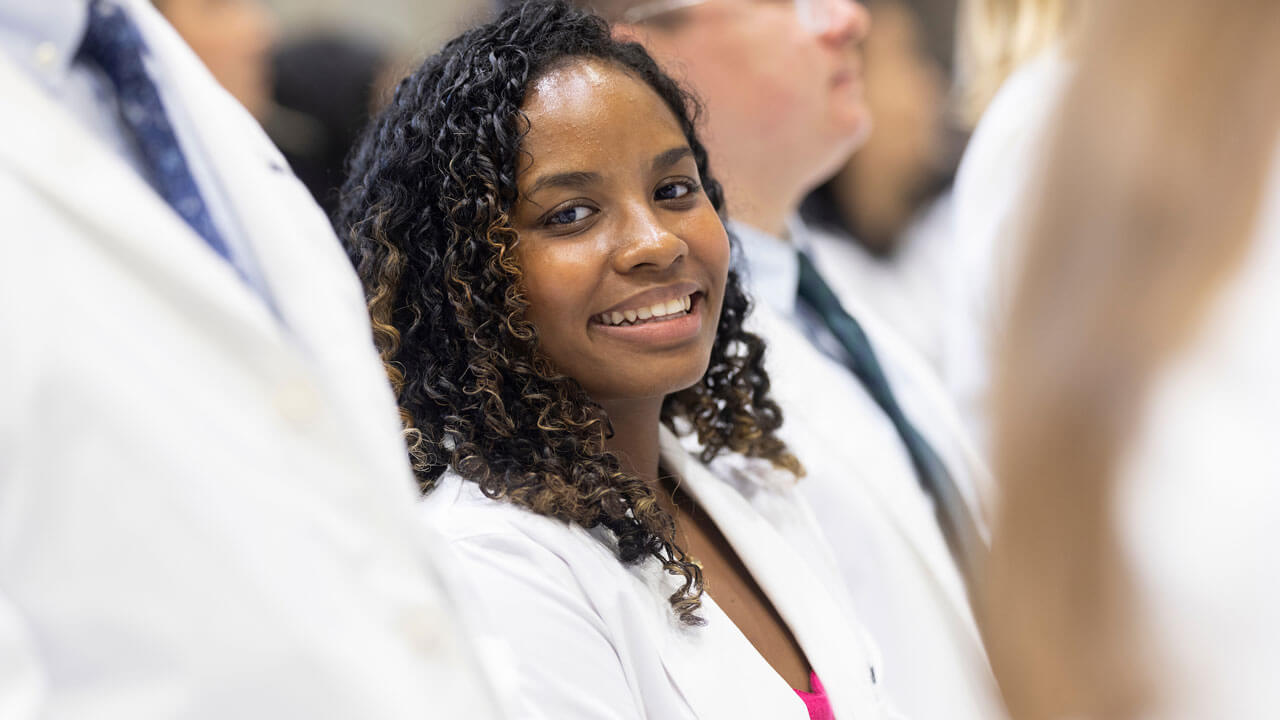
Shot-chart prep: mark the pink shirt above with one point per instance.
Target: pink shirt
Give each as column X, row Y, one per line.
column 816, row 702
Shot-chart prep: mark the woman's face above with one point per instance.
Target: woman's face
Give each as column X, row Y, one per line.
column 624, row 258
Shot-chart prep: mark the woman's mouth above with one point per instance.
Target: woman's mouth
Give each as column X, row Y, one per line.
column 657, row 326
column 647, row 314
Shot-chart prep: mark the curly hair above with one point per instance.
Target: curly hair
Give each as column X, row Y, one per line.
column 424, row 214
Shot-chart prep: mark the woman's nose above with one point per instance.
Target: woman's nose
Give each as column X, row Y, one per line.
column 646, row 242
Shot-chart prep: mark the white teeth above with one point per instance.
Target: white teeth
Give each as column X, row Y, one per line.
column 657, row 310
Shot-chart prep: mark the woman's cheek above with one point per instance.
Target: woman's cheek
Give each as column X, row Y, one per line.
column 713, row 244
column 557, row 287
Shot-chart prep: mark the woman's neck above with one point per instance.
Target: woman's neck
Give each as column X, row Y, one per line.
column 635, row 436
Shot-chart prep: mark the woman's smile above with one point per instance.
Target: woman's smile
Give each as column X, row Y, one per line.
column 661, row 323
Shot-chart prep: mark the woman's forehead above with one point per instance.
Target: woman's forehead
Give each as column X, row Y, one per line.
column 596, row 117
column 574, row 75
column 578, row 83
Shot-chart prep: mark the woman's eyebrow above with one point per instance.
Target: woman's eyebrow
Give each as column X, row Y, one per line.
column 667, row 158
column 564, row 180
column 580, row 179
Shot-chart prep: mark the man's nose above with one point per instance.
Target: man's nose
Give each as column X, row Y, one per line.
column 849, row 21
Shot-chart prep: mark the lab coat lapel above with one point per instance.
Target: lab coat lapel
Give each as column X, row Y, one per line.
column 275, row 220
column 737, row 683
column 808, row 374
column 311, row 283
column 931, row 409
column 51, row 151
column 823, row 626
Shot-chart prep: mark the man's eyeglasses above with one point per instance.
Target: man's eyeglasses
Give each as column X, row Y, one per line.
column 816, row 16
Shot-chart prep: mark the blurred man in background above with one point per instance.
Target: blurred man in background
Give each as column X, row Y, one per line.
column 886, row 215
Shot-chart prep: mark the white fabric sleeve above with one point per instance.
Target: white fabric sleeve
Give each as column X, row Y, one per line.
column 22, row 680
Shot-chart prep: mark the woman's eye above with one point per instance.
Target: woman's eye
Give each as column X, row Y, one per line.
column 675, row 190
column 569, row 215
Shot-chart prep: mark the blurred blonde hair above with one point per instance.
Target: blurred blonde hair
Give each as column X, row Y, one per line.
column 996, row 36
column 1162, row 148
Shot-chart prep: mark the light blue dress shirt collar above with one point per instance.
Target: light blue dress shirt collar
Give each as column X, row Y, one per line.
column 772, row 271
column 773, row 279
column 43, row 36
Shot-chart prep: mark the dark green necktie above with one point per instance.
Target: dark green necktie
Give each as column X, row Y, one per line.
column 957, row 523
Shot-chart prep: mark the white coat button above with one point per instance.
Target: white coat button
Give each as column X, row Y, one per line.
column 46, row 54
column 297, row 401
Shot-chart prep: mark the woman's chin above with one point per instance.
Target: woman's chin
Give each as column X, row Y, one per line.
column 653, row 386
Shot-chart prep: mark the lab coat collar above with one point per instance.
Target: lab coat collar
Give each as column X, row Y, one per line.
column 822, row 623
column 303, row 266
column 280, row 241
column 58, row 155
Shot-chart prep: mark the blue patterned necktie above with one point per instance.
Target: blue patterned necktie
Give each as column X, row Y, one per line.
column 957, row 523
column 114, row 43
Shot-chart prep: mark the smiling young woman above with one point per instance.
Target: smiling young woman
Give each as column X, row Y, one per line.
column 624, row 256
column 550, row 284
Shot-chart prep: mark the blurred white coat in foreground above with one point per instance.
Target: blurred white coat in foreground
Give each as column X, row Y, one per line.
column 205, row 507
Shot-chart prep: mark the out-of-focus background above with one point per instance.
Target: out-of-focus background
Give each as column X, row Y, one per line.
column 408, row 26
column 312, row 71
column 335, row 61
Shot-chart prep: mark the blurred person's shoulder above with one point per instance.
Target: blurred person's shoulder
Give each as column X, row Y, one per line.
column 1005, row 144
column 1026, row 96
column 996, row 177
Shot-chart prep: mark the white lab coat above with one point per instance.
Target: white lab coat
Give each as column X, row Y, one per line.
column 865, row 492
column 1197, row 502
column 888, row 546
column 596, row 639
column 907, row 289
column 205, row 511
